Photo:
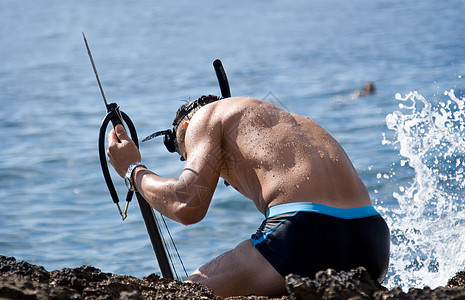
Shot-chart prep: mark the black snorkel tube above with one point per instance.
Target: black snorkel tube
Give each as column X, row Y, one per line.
column 224, row 86
column 222, row 79
column 169, row 135
column 115, row 116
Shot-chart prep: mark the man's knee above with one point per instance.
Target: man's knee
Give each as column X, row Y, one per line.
column 240, row 271
column 197, row 277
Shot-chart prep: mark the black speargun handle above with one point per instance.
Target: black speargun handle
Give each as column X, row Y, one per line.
column 147, row 212
column 114, row 119
column 117, row 117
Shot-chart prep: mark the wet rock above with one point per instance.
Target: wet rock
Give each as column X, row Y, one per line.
column 357, row 284
column 424, row 293
column 9, row 265
column 330, row 284
column 21, row 280
column 458, row 280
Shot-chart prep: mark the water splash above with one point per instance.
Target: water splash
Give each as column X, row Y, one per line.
column 427, row 236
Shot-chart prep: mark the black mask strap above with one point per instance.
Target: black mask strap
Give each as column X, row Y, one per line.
column 169, row 139
column 158, row 133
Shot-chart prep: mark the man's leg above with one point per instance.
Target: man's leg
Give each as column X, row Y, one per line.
column 241, row 271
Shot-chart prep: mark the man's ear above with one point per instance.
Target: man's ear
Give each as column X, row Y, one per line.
column 186, row 124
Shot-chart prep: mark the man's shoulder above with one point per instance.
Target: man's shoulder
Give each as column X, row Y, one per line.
column 238, row 101
column 232, row 109
column 234, row 104
column 225, row 107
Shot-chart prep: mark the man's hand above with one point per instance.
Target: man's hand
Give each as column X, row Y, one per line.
column 121, row 154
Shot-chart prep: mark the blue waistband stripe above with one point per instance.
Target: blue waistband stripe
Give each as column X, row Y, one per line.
column 342, row 213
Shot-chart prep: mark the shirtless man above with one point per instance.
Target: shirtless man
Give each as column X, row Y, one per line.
column 318, row 211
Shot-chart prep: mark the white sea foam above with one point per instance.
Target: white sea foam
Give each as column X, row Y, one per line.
column 427, row 236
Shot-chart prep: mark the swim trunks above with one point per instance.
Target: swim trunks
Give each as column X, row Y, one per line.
column 304, row 238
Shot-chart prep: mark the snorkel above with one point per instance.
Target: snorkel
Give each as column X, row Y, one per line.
column 169, row 139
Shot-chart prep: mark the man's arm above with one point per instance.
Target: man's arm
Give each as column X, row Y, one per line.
column 187, row 198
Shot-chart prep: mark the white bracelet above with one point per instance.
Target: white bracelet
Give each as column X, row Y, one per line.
column 128, row 178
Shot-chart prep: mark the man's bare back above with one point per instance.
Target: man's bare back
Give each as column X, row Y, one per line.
column 290, row 167
column 274, row 157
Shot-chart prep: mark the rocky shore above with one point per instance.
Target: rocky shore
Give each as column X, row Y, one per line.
column 21, row 280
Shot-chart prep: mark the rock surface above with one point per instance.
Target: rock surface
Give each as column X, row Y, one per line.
column 21, row 280
column 357, row 284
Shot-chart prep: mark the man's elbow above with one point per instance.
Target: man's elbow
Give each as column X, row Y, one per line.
column 191, row 207
column 189, row 216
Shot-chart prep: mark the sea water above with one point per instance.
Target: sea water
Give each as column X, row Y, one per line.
column 306, row 56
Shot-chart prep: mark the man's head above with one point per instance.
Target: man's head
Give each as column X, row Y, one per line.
column 184, row 115
column 176, row 135
column 369, row 88
column 188, row 109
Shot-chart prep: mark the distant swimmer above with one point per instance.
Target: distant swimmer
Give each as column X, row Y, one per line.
column 368, row 89
column 318, row 213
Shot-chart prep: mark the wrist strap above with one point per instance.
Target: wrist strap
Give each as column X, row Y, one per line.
column 130, row 170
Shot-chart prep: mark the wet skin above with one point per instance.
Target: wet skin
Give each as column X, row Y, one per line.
column 268, row 155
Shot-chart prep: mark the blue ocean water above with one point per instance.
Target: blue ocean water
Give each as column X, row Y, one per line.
column 406, row 140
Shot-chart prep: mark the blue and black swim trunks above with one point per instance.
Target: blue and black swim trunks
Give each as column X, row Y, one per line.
column 304, row 238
